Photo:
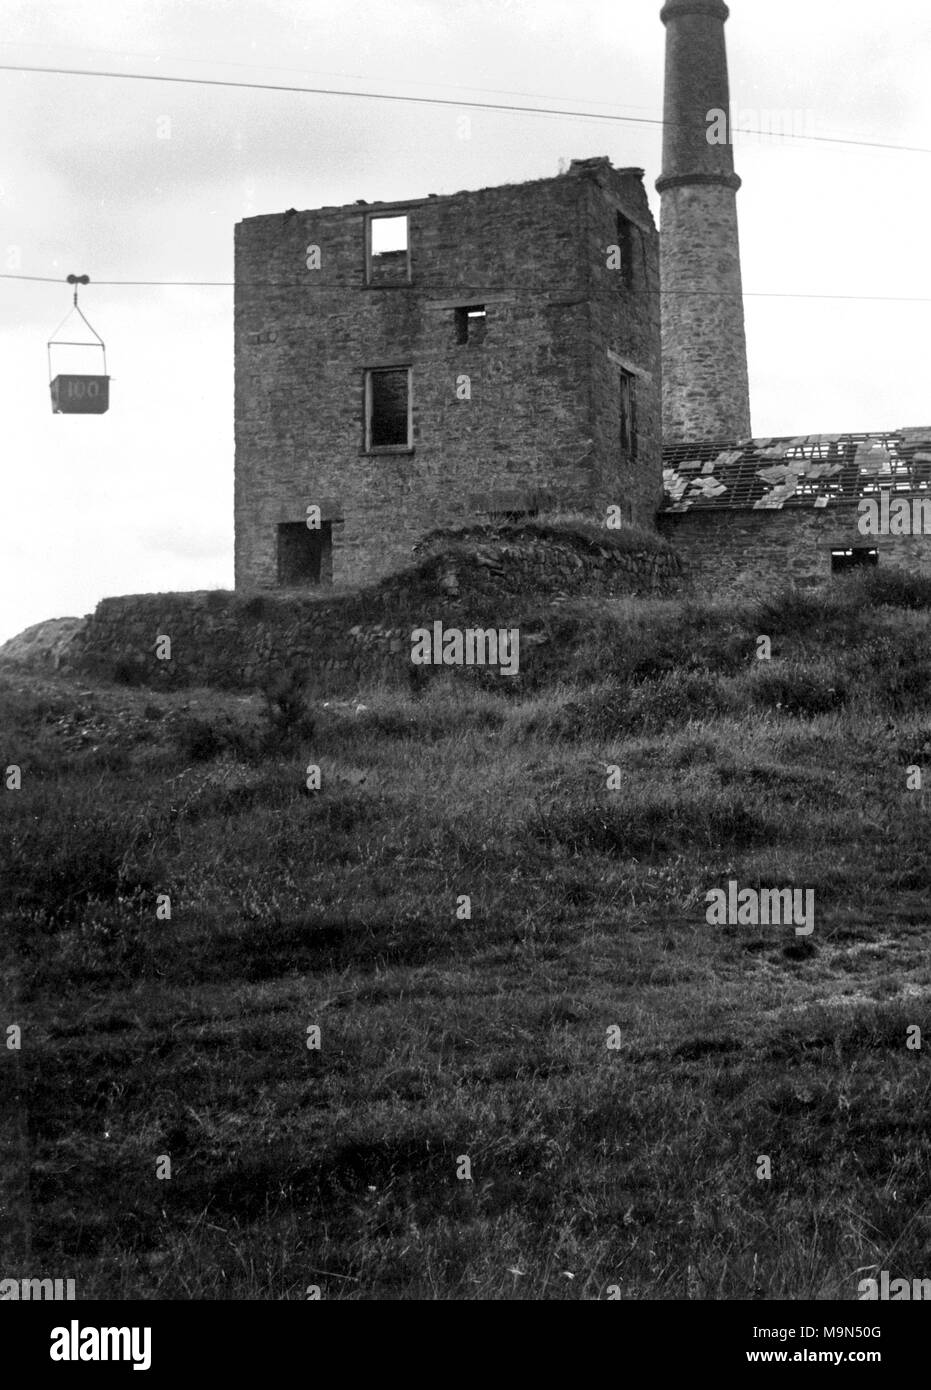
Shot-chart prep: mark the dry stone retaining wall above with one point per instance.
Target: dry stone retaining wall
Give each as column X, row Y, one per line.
column 236, row 641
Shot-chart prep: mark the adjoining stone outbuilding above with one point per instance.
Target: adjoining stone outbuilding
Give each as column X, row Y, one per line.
column 417, row 365
column 799, row 509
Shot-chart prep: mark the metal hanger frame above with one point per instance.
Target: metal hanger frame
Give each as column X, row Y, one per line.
column 55, row 341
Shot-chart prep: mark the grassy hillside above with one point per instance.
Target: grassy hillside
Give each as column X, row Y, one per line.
column 486, row 1037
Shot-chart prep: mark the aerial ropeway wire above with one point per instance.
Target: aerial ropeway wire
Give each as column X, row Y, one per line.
column 78, row 393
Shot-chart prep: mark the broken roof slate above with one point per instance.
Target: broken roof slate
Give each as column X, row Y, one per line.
column 800, row 470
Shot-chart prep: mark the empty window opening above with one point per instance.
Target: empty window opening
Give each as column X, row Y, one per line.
column 625, row 240
column 628, row 411
column 305, row 556
column 388, row 408
column 470, row 324
column 842, row 560
column 388, row 252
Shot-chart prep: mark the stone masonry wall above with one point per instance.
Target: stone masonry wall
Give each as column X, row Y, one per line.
column 624, row 327
column 706, row 391
column 737, row 551
column 705, row 383
column 236, row 641
column 304, row 339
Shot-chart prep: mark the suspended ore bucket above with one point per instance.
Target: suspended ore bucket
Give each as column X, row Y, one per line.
column 79, row 393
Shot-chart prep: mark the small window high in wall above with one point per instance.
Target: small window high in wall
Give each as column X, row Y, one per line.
column 470, row 324
column 305, row 555
column 387, row 250
column 388, row 409
column 843, row 560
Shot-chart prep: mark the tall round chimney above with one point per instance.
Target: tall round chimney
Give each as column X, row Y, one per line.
column 706, row 393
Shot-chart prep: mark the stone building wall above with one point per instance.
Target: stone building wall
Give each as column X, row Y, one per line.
column 536, row 427
column 734, row 551
column 624, row 335
column 342, row 642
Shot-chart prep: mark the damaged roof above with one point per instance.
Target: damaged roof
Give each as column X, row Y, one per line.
column 811, row 470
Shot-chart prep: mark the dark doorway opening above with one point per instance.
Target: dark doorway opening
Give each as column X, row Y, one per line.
column 305, row 556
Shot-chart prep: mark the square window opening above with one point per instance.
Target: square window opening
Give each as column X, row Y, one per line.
column 844, row 560
column 470, row 324
column 305, row 555
column 388, row 250
column 388, row 408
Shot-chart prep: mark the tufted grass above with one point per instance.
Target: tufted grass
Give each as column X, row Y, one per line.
column 447, row 1037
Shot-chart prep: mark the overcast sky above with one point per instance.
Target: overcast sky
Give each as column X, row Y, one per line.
column 140, row 499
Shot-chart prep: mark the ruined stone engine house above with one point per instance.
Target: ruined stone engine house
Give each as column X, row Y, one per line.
column 411, row 366
column 416, row 366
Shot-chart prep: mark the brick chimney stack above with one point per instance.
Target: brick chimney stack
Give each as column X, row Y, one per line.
column 706, row 393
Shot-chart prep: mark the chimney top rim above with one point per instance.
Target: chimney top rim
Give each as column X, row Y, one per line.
column 715, row 9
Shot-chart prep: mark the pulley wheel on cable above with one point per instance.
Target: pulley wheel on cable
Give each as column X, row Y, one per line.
column 84, row 392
